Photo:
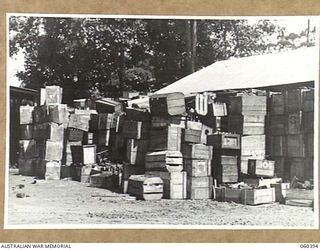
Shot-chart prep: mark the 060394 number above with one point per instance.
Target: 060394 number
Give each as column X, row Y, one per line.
column 309, row 246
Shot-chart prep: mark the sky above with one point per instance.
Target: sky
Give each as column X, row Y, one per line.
column 292, row 25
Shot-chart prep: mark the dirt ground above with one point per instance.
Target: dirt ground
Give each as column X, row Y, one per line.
column 71, row 202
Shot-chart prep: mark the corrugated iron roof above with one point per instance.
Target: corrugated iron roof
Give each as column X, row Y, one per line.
column 295, row 66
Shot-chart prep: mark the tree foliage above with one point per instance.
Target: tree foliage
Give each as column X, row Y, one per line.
column 96, row 56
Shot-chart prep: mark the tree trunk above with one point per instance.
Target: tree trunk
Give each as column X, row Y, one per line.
column 194, row 46
column 121, row 69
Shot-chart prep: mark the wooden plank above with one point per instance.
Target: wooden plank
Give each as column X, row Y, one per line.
column 167, row 104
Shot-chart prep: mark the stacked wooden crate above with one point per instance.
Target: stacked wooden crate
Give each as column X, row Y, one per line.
column 164, row 159
column 50, row 121
column 247, row 117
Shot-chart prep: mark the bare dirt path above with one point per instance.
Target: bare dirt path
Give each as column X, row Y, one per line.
column 70, row 202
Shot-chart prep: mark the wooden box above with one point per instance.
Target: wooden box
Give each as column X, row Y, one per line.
column 26, row 132
column 280, row 191
column 276, row 145
column 196, row 151
column 135, row 130
column 191, row 136
column 58, row 114
column 167, row 104
column 107, row 105
column 276, row 104
column 28, row 149
column 199, row 188
column 26, row 166
column 276, row 125
column 225, row 168
column 117, row 147
column 48, row 131
column 293, row 100
column 74, row 134
column 197, row 167
column 102, row 137
column 137, row 114
column 295, row 145
column 52, row 170
column 254, row 145
column 299, row 197
column 247, row 124
column 146, row 188
column 67, row 155
column 308, row 122
column 170, row 161
column 192, row 125
column 53, row 95
column 228, row 194
column 105, row 121
column 51, row 150
column 224, row 141
column 244, row 162
column 294, row 123
column 248, row 105
column 88, row 138
column 258, row 196
column 261, row 168
column 166, row 121
column 136, row 151
column 308, row 100
column 40, row 114
column 26, row 114
column 81, row 173
column 219, row 109
column 85, row 154
column 104, row 180
column 130, row 169
column 79, row 122
column 165, row 139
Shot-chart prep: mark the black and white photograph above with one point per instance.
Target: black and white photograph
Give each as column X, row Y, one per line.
column 178, row 122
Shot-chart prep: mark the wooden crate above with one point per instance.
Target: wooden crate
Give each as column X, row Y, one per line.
column 293, row 100
column 280, row 191
column 260, row 182
column 79, row 122
column 105, row 121
column 174, row 184
column 199, row 188
column 26, row 131
column 26, row 166
column 276, row 145
column 197, row 167
column 244, row 162
column 254, row 145
column 309, row 144
column 299, row 197
column 137, row 114
column 74, row 134
column 135, row 130
column 308, row 122
column 117, row 147
column 51, row 150
column 88, row 138
column 225, row 168
column 224, row 141
column 297, row 166
column 191, row 136
column 295, row 145
column 258, row 196
column 28, row 149
column 225, row 194
column 26, row 114
column 58, row 113
column 167, row 104
column 193, row 125
column 247, row 124
column 261, row 168
column 84, row 154
column 146, row 188
column 196, row 151
column 276, row 105
column 48, row 131
column 102, row 138
column 218, row 109
column 136, row 151
column 248, row 105
column 104, row 180
column 205, row 131
column 165, row 139
column 294, row 123
column 81, row 173
column 170, row 161
column 53, row 95
column 276, row 125
column 40, row 114
column 67, row 155
column 108, row 105
column 52, row 170
column 166, row 121
column 308, row 100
